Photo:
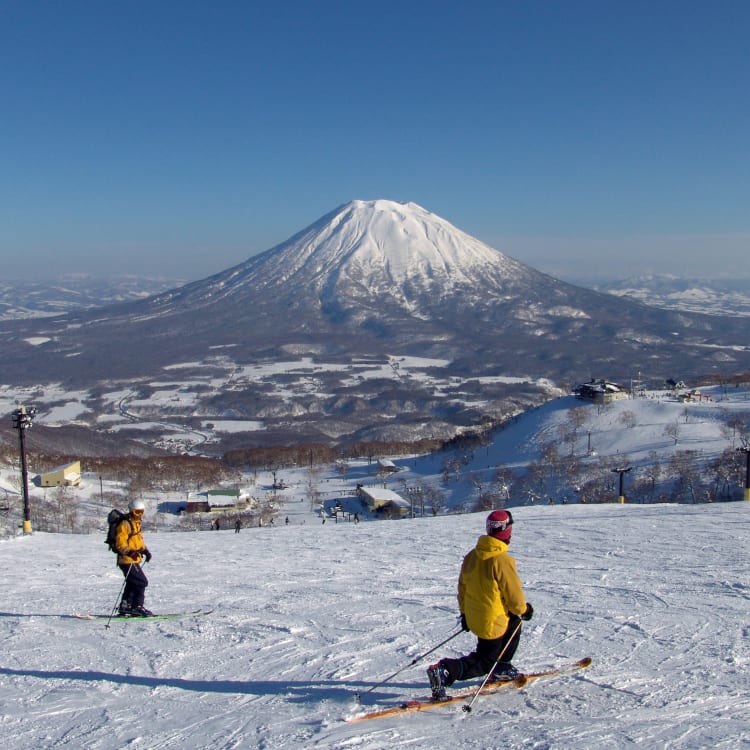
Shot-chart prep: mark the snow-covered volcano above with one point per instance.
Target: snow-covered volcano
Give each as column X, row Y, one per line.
column 367, row 255
column 383, row 247
column 374, row 281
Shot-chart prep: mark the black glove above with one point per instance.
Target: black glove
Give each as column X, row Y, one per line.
column 528, row 613
column 147, row 555
column 464, row 626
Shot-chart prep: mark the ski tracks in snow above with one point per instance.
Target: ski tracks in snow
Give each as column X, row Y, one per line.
column 306, row 617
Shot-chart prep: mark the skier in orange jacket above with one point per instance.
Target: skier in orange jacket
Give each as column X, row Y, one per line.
column 131, row 550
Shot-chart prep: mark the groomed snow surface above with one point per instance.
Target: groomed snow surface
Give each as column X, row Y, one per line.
column 307, row 615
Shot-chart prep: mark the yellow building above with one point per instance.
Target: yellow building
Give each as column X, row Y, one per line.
column 68, row 475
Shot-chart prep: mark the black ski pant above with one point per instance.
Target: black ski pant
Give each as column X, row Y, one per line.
column 135, row 584
column 483, row 658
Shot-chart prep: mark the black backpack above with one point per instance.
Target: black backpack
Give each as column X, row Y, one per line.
column 113, row 519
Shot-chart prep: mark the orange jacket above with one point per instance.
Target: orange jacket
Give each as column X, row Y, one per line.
column 129, row 540
column 489, row 589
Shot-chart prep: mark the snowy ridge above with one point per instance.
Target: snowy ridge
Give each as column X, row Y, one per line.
column 714, row 296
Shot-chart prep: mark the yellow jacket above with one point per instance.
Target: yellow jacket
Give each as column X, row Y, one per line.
column 129, row 540
column 489, row 589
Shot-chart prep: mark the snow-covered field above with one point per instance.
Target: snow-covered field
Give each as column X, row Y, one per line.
column 307, row 615
column 170, row 404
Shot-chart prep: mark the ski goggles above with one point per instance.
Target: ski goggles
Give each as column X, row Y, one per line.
column 495, row 525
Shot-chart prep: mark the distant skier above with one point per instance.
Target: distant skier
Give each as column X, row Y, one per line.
column 492, row 604
column 131, row 550
column 237, row 526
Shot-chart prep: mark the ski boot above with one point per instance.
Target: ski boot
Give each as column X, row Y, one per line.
column 439, row 678
column 504, row 671
column 141, row 611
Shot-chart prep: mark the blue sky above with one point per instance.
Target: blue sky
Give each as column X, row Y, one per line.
column 179, row 138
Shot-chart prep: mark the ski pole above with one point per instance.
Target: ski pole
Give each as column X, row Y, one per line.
column 410, row 664
column 119, row 596
column 467, row 706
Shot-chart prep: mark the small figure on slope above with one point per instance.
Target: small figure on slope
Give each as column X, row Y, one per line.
column 492, row 604
column 131, row 550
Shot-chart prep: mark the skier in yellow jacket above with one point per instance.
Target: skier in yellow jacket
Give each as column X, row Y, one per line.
column 131, row 550
column 492, row 604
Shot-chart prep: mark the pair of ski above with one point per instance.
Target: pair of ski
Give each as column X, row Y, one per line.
column 138, row 618
column 412, row 706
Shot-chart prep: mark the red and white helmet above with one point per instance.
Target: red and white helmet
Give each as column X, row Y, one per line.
column 499, row 525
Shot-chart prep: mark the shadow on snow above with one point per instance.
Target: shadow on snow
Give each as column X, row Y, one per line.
column 299, row 692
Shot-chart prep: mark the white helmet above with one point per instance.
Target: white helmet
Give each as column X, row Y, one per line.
column 137, row 505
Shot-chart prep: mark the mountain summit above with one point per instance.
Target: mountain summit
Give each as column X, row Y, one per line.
column 384, row 247
column 373, row 281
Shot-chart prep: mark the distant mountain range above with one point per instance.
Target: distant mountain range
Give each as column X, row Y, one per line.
column 30, row 299
column 373, row 282
column 712, row 296
column 73, row 292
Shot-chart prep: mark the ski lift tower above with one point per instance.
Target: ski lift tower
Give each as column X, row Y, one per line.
column 622, row 473
column 22, row 420
column 746, row 450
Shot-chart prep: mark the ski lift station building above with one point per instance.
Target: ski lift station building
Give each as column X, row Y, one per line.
column 379, row 497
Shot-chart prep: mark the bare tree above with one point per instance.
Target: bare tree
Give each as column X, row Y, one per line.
column 684, row 468
column 673, row 431
column 577, row 418
column 652, row 471
column 477, row 482
column 598, row 487
column 488, row 501
column 503, row 482
column 603, row 407
column 451, row 468
column 735, row 426
column 728, row 470
column 434, row 499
